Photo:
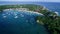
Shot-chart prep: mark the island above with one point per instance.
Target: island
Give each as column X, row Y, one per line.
column 50, row 19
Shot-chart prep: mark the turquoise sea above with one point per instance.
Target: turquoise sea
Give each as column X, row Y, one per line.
column 20, row 22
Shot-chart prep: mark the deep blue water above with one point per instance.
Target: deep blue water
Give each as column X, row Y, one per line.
column 54, row 6
column 20, row 22
column 51, row 6
column 15, row 22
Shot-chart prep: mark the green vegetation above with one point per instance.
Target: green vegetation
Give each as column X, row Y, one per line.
column 52, row 23
column 31, row 7
column 50, row 19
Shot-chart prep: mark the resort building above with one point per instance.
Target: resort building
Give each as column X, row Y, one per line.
column 20, row 9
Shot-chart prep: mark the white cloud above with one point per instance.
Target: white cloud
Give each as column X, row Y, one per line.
column 20, row 0
column 34, row 0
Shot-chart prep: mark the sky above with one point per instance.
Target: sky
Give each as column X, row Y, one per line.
column 34, row 0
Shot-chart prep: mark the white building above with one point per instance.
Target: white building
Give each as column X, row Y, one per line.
column 22, row 9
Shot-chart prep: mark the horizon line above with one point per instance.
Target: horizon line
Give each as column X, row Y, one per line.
column 26, row 1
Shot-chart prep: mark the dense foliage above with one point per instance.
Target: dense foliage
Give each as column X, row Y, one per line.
column 31, row 7
column 51, row 21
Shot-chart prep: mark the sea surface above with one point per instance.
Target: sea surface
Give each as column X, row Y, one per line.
column 20, row 22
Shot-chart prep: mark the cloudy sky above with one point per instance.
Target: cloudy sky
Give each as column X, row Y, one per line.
column 34, row 0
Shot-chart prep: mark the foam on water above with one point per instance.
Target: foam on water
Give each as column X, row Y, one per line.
column 21, row 22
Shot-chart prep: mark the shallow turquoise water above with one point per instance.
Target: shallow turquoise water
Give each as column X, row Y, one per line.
column 20, row 22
